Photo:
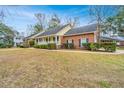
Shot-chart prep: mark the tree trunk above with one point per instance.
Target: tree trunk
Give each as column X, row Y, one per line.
column 98, row 32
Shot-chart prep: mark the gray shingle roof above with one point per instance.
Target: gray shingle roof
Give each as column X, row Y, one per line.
column 53, row 31
column 78, row 30
column 117, row 38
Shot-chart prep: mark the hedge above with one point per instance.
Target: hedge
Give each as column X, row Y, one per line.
column 31, row 43
column 52, row 46
column 6, row 45
column 111, row 47
column 24, row 45
column 46, row 46
column 2, row 46
column 41, row 46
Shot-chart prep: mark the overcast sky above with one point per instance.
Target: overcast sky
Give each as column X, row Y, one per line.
column 19, row 17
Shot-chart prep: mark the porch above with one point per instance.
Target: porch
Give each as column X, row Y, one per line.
column 48, row 39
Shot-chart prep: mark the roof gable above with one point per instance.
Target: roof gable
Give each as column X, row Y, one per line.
column 53, row 31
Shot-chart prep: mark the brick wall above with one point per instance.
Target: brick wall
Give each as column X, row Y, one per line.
column 76, row 38
column 121, row 43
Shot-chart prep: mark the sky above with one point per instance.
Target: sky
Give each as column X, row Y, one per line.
column 19, row 17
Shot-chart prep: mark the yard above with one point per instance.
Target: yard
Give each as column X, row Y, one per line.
column 41, row 68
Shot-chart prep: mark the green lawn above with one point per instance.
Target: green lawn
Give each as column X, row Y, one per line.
column 40, row 68
column 120, row 48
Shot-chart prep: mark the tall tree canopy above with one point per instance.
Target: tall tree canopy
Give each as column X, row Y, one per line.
column 8, row 30
column 54, row 21
column 116, row 23
column 99, row 14
column 41, row 24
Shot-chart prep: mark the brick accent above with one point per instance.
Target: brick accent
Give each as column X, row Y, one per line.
column 76, row 38
column 121, row 43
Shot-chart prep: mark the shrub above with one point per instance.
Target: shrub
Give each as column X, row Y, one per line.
column 68, row 46
column 2, row 46
column 86, row 45
column 71, row 46
column 110, row 47
column 51, row 46
column 24, row 45
column 9, row 45
column 65, row 45
column 36, row 46
column 93, row 47
column 31, row 43
column 41, row 46
column 6, row 45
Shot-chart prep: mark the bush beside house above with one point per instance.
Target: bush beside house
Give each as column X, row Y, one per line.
column 109, row 47
column 46, row 46
column 31, row 43
column 68, row 45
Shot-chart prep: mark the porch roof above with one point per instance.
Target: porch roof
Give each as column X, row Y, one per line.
column 53, row 30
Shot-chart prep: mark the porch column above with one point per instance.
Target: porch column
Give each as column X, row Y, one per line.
column 48, row 39
column 37, row 40
column 56, row 39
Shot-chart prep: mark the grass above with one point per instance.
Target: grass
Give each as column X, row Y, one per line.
column 120, row 48
column 40, row 68
column 105, row 84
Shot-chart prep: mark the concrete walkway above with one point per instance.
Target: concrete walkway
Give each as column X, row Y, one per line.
column 85, row 51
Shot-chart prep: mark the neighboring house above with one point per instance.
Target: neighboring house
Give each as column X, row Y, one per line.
column 118, row 39
column 32, row 37
column 110, row 36
column 18, row 40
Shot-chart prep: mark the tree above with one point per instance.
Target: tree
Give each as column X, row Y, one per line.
column 119, row 20
column 54, row 21
column 2, row 15
column 41, row 21
column 74, row 21
column 9, row 34
column 109, row 26
column 99, row 14
column 115, row 23
column 37, row 28
column 30, row 30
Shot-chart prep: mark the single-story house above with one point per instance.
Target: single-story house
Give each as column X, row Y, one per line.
column 67, row 34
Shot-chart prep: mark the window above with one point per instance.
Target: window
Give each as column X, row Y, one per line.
column 79, row 42
column 87, row 40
